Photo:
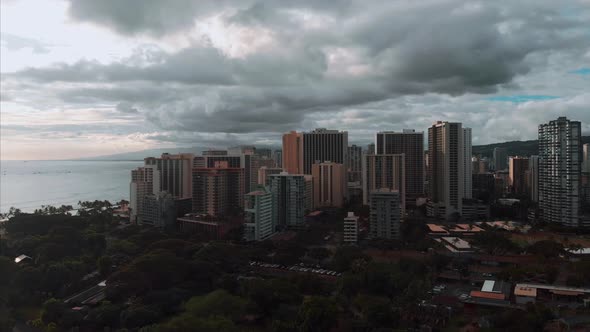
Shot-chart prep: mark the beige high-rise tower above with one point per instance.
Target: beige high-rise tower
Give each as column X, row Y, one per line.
column 329, row 184
column 446, row 167
column 292, row 153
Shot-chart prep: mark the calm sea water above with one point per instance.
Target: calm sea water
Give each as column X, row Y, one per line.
column 29, row 184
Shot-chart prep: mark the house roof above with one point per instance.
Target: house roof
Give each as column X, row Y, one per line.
column 487, row 295
column 525, row 291
column 21, row 258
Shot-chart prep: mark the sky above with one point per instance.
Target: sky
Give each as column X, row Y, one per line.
column 84, row 78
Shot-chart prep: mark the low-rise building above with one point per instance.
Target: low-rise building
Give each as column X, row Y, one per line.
column 351, row 228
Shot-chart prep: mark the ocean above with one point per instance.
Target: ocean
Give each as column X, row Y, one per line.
column 29, row 184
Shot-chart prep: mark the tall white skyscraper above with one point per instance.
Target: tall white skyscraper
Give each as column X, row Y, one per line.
column 258, row 215
column 446, row 167
column 467, row 164
column 560, row 161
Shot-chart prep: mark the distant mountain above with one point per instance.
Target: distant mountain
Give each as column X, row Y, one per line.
column 514, row 148
column 140, row 155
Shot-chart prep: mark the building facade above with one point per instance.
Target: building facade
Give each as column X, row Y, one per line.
column 410, row 143
column 264, row 173
column 293, row 153
column 533, row 178
column 322, row 145
column 467, row 165
column 446, row 162
column 218, row 190
column 144, row 181
column 384, row 171
column 354, row 163
column 258, row 215
column 351, row 228
column 560, row 162
column 517, row 174
column 385, row 214
column 500, row 159
column 290, row 200
column 175, row 173
column 329, row 184
column 159, row 210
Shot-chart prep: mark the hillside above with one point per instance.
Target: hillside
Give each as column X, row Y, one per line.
column 515, row 148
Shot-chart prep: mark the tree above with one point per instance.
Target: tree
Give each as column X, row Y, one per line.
column 139, row 316
column 52, row 311
column 319, row 253
column 317, row 313
column 104, row 264
column 546, row 248
column 217, row 303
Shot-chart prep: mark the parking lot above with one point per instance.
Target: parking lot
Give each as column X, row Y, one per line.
column 297, row 268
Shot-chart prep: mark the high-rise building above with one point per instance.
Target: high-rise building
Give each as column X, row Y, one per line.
column 533, row 178
column 241, row 149
column 255, row 164
column 500, row 159
column 322, row 145
column 446, row 162
column 354, row 163
column 484, row 185
column 290, row 199
column 560, row 161
column 410, row 143
column 467, row 166
column 144, row 181
column 351, row 228
column 329, row 184
column 213, row 152
column 175, row 173
column 244, row 161
column 258, row 215
column 385, row 214
column 293, row 152
column 517, row 168
column 277, row 156
column 586, row 158
column 384, row 171
column 263, row 175
column 159, row 210
column 371, row 148
column 264, row 153
column 218, row 190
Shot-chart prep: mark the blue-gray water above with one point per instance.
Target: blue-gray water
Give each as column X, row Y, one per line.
column 29, row 184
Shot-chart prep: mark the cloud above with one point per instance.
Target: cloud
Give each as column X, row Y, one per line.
column 240, row 70
column 13, row 43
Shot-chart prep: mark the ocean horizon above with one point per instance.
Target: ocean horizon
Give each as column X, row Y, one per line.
column 29, row 184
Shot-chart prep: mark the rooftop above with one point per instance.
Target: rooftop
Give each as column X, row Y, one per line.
column 457, row 242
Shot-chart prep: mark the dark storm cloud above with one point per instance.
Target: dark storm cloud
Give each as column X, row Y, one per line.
column 395, row 49
column 158, row 18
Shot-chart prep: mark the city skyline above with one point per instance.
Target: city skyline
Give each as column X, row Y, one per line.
column 91, row 80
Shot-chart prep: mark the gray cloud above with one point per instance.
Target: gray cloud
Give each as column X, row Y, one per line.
column 352, row 65
column 13, row 42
